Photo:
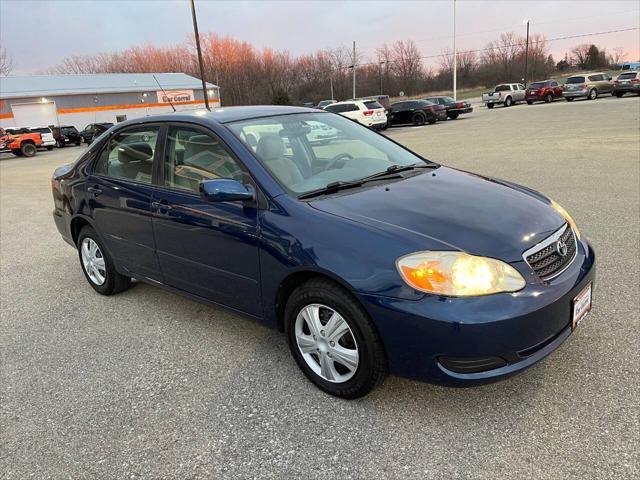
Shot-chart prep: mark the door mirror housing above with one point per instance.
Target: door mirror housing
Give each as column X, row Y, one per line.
column 225, row 190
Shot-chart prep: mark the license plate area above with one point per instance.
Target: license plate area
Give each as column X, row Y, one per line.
column 580, row 306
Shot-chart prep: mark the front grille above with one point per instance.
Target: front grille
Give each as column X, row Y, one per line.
column 546, row 258
column 471, row 364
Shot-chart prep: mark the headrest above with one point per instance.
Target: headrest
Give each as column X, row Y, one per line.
column 270, row 147
column 130, row 152
column 251, row 140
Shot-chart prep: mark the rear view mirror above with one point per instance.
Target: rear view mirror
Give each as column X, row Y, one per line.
column 225, row 190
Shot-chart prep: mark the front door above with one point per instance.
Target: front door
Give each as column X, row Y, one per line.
column 205, row 248
column 119, row 190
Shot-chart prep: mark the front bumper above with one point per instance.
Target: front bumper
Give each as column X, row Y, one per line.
column 522, row 327
column 460, row 110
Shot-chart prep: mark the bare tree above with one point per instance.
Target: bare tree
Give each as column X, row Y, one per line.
column 617, row 56
column 580, row 54
column 6, row 63
column 407, row 64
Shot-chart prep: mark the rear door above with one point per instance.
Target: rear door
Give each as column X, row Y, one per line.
column 206, row 248
column 119, row 189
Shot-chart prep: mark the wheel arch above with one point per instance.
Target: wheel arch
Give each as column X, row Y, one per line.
column 297, row 278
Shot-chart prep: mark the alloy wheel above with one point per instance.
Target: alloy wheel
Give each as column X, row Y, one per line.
column 327, row 343
column 93, row 261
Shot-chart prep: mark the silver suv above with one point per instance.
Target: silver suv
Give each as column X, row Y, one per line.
column 588, row 85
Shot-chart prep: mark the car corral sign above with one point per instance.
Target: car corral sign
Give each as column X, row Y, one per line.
column 175, row 96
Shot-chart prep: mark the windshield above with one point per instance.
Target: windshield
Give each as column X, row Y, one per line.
column 627, row 76
column 308, row 151
column 535, row 86
column 575, row 80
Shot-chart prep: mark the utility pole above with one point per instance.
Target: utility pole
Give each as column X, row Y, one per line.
column 354, row 69
column 526, row 57
column 331, row 83
column 381, row 63
column 195, row 30
column 455, row 55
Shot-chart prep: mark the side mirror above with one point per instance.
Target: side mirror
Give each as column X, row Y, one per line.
column 225, row 190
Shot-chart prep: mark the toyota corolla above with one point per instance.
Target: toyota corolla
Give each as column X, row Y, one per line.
column 370, row 258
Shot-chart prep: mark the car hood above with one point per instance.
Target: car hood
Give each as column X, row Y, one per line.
column 451, row 209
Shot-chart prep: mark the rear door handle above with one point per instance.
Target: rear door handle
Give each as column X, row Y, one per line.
column 96, row 191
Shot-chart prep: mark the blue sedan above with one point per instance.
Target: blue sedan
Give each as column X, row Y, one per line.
column 370, row 258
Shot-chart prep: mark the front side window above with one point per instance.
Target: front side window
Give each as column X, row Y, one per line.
column 193, row 156
column 308, row 151
column 129, row 154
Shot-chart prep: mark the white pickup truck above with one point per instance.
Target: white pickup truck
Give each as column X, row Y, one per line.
column 506, row 94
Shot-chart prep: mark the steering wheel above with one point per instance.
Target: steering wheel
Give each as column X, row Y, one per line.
column 337, row 158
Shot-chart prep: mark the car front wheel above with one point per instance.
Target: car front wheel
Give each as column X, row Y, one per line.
column 333, row 340
column 593, row 94
column 98, row 266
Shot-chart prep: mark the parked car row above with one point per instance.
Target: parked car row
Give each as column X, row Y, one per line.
column 589, row 86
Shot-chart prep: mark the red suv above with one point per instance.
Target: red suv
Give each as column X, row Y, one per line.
column 545, row 91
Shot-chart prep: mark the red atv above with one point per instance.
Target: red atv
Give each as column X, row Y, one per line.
column 24, row 144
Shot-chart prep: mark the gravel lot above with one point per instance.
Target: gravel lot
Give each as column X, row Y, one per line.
column 148, row 384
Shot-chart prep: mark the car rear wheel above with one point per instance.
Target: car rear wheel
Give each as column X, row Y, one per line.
column 417, row 119
column 593, row 94
column 28, row 149
column 619, row 95
column 489, row 105
column 98, row 266
column 49, row 147
column 508, row 102
column 453, row 116
column 529, row 102
column 569, row 99
column 333, row 340
column 548, row 98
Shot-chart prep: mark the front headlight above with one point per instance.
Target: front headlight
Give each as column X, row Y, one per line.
column 567, row 217
column 458, row 274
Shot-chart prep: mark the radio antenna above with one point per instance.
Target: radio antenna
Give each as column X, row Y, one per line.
column 165, row 93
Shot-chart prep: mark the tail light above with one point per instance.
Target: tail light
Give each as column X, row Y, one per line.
column 368, row 113
column 583, row 86
column 460, row 105
column 430, row 109
column 54, row 183
column 634, row 80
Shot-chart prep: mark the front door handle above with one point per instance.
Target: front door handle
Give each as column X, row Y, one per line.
column 96, row 191
column 163, row 205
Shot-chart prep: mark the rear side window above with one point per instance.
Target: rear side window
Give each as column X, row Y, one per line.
column 595, row 78
column 535, row 86
column 41, row 130
column 129, row 154
column 503, row 88
column 372, row 105
column 573, row 80
column 627, row 76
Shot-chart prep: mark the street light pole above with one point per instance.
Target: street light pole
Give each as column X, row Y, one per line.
column 455, row 55
column 195, row 30
column 331, row 83
column 354, row 69
column 381, row 63
column 526, row 57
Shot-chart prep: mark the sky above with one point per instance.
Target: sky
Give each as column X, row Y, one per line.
column 81, row 27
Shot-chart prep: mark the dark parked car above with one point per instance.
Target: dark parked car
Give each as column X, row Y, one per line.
column 94, row 130
column 369, row 257
column 417, row 112
column 544, row 91
column 454, row 107
column 628, row 82
column 66, row 135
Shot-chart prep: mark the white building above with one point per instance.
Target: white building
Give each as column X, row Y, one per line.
column 78, row 100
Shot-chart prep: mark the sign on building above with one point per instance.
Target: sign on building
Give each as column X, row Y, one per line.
column 175, row 96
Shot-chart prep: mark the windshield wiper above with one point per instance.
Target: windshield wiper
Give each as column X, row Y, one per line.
column 330, row 188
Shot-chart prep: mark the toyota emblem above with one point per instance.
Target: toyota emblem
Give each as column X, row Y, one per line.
column 561, row 247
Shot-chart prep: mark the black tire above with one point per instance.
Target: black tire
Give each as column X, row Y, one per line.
column 489, row 105
column 619, row 95
column 50, row 147
column 114, row 282
column 548, row 98
column 453, row 116
column 59, row 144
column 431, row 122
column 569, row 99
column 28, row 149
column 508, row 102
column 17, row 153
column 417, row 119
column 593, row 94
column 529, row 102
column 372, row 361
column 78, row 143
